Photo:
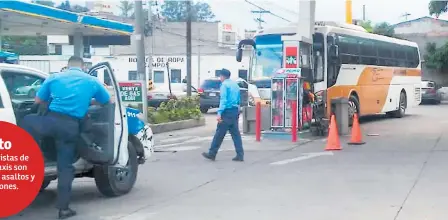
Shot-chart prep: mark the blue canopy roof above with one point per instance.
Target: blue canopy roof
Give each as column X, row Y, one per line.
column 41, row 11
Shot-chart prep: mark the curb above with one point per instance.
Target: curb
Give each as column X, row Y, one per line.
column 177, row 125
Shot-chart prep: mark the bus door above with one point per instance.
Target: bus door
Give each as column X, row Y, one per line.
column 319, row 62
column 333, row 62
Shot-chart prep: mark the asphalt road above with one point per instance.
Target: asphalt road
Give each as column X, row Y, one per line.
column 399, row 174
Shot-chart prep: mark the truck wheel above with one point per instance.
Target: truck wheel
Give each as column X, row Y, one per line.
column 112, row 181
column 203, row 109
column 45, row 184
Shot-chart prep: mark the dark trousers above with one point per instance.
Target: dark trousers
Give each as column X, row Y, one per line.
column 65, row 131
column 229, row 123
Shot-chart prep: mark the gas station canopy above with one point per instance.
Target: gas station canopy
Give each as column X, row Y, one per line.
column 19, row 18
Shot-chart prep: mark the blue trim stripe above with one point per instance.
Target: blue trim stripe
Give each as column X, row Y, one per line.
column 39, row 10
column 42, row 11
column 108, row 24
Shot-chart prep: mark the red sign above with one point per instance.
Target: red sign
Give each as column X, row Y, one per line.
column 291, row 58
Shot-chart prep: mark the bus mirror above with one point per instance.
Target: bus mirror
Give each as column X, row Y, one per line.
column 239, row 55
column 333, row 52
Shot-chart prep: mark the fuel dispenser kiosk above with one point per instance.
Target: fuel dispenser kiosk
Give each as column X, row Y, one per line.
column 287, row 86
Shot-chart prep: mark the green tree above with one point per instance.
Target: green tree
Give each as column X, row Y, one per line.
column 25, row 45
column 436, row 58
column 126, row 8
column 79, row 9
column 384, row 28
column 437, row 8
column 367, row 25
column 176, row 11
column 46, row 3
column 65, row 5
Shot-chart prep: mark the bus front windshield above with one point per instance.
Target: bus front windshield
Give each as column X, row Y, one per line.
column 267, row 57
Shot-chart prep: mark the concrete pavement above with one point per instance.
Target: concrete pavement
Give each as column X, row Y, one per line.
column 399, row 174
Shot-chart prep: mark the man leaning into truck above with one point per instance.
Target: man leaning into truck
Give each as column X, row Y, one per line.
column 68, row 95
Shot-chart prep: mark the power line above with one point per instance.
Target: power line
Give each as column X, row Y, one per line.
column 184, row 36
column 283, row 8
column 259, row 20
column 273, row 14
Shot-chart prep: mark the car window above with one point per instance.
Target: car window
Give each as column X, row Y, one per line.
column 431, row 84
column 211, row 84
column 21, row 85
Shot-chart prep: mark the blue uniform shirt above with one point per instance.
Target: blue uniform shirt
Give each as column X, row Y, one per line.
column 134, row 123
column 230, row 96
column 72, row 91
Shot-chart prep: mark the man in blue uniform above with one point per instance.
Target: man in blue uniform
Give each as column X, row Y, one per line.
column 228, row 115
column 68, row 95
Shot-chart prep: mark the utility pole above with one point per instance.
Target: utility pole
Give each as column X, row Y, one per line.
column 151, row 25
column 364, row 12
column 141, row 67
column 199, row 57
column 406, row 15
column 188, row 2
column 259, row 20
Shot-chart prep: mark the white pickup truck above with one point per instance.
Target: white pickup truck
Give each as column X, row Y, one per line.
column 111, row 155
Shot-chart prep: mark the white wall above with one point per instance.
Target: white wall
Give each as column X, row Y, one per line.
column 123, row 64
column 208, row 64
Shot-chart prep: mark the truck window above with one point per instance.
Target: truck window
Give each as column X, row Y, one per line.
column 21, row 85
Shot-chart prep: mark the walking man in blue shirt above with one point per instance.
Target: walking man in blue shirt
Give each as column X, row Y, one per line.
column 228, row 115
column 68, row 95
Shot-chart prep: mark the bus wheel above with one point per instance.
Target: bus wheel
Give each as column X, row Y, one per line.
column 353, row 107
column 401, row 107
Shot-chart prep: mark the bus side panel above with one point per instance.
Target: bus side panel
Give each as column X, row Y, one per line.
column 378, row 88
column 411, row 84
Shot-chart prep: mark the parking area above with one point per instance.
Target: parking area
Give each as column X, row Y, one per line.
column 399, row 174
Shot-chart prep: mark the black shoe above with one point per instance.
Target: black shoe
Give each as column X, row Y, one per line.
column 66, row 213
column 240, row 159
column 207, row 156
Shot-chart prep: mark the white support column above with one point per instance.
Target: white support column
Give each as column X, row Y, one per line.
column 78, row 44
column 305, row 26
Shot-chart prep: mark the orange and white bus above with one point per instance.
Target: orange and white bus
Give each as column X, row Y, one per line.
column 378, row 74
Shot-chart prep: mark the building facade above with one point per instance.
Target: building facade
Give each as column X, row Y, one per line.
column 125, row 66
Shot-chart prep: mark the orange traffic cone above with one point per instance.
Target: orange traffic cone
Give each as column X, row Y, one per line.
column 333, row 142
column 356, row 138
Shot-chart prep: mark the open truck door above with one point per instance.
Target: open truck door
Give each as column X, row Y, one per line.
column 109, row 148
column 105, row 133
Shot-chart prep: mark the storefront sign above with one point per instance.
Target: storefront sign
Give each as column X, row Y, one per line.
column 131, row 91
column 291, row 57
column 159, row 62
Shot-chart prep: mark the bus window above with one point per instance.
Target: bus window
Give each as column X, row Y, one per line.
column 318, row 47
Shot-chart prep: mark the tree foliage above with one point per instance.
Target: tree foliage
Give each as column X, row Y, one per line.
column 437, row 8
column 126, row 8
column 176, row 11
column 46, row 3
column 65, row 5
column 367, row 25
column 436, row 58
column 384, row 28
